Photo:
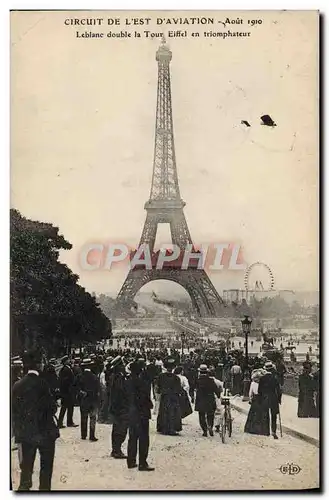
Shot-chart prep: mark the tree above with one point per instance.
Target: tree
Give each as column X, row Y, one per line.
column 48, row 306
column 107, row 304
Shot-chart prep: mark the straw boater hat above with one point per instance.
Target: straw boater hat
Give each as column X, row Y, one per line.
column 203, row 370
column 17, row 363
column 86, row 362
column 257, row 374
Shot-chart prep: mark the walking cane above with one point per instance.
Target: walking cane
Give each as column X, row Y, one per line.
column 280, row 422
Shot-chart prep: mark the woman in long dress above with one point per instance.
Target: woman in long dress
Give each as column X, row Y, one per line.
column 219, row 407
column 306, row 406
column 169, row 419
column 258, row 418
column 236, row 374
column 184, row 400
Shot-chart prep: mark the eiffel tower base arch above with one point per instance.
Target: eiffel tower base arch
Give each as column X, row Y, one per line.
column 203, row 295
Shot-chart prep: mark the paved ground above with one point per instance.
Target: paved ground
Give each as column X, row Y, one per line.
column 308, row 428
column 187, row 462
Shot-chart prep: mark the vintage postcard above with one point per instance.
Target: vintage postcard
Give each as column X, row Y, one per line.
column 165, row 250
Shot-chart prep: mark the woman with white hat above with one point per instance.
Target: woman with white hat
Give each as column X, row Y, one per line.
column 258, row 419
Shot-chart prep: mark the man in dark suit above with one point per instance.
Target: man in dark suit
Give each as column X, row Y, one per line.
column 33, row 410
column 89, row 392
column 270, row 394
column 119, row 406
column 205, row 401
column 140, row 405
column 67, row 389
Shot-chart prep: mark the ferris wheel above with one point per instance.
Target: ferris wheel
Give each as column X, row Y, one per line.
column 258, row 284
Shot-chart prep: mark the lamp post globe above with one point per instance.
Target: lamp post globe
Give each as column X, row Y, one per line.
column 246, row 328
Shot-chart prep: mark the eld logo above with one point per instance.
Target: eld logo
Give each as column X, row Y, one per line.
column 290, row 469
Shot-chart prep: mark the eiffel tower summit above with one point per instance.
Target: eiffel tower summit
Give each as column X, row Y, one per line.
column 165, row 205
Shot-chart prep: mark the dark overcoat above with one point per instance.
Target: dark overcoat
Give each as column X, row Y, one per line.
column 206, row 390
column 33, row 411
column 270, row 392
column 139, row 396
column 66, row 381
column 118, row 395
column 89, row 389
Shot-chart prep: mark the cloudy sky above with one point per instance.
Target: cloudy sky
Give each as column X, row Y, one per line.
column 83, row 118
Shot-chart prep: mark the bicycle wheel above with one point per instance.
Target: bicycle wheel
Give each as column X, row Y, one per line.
column 223, row 429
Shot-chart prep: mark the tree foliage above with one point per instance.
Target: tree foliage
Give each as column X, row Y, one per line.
column 107, row 305
column 48, row 306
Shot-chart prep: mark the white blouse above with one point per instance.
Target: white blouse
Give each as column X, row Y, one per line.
column 102, row 379
column 253, row 389
column 184, row 383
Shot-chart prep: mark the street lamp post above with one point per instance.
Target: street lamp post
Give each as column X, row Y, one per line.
column 182, row 342
column 246, row 327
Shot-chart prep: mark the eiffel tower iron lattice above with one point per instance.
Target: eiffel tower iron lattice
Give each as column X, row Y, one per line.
column 166, row 206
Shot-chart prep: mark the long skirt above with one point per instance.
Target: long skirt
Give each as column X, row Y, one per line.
column 185, row 405
column 169, row 419
column 258, row 421
column 236, row 384
column 306, row 406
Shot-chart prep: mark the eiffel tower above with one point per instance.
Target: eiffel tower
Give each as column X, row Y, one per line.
column 166, row 206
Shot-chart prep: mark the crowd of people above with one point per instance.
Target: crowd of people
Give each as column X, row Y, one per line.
column 122, row 387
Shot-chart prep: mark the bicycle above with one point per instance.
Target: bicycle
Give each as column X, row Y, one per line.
column 226, row 423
